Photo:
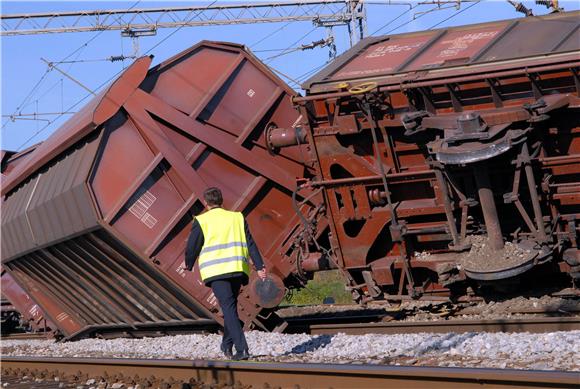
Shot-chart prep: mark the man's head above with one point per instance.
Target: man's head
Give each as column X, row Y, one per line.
column 213, row 197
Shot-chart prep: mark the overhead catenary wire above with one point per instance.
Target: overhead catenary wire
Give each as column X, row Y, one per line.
column 60, row 80
column 25, row 103
column 271, row 34
column 20, row 106
column 178, row 28
column 421, row 15
column 48, row 70
column 290, row 48
column 98, row 88
column 455, row 14
column 113, row 58
column 393, row 20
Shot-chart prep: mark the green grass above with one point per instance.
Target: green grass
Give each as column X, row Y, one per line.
column 325, row 284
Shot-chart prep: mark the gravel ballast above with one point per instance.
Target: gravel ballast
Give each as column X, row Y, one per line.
column 549, row 351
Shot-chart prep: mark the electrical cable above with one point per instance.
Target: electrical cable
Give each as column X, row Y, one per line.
column 304, row 76
column 20, row 106
column 284, row 75
column 102, row 84
column 271, row 34
column 269, row 59
column 393, row 20
column 82, row 47
column 407, row 22
column 52, row 87
column 455, row 14
column 179, row 28
column 421, row 15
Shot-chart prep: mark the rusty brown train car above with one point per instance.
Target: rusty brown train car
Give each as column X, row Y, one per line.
column 95, row 219
column 19, row 310
column 431, row 165
column 449, row 159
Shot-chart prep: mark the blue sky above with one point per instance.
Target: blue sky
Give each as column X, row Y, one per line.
column 22, row 67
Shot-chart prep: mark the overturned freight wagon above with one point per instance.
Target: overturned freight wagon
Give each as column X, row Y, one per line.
column 449, row 159
column 19, row 310
column 95, row 220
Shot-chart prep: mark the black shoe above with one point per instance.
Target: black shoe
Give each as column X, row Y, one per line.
column 241, row 355
column 227, row 351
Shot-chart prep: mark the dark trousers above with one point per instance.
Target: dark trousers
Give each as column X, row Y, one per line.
column 227, row 292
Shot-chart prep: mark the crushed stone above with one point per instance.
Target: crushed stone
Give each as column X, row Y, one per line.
column 549, row 351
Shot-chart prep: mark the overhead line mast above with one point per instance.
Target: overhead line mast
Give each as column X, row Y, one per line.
column 146, row 21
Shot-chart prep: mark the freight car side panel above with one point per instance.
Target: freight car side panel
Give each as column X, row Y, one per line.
column 463, row 50
column 122, row 147
column 383, row 57
column 557, row 35
column 456, row 47
column 42, row 297
column 197, row 75
column 28, row 309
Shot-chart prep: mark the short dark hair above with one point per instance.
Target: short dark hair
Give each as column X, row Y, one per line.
column 213, row 196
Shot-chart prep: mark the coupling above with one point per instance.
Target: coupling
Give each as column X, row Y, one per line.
column 277, row 138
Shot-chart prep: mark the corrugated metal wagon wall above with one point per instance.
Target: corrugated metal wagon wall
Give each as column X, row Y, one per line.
column 97, row 219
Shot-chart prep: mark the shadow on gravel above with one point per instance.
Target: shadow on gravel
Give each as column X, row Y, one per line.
column 311, row 345
column 441, row 344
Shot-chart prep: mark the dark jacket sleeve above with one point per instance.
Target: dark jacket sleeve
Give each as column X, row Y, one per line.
column 253, row 248
column 194, row 245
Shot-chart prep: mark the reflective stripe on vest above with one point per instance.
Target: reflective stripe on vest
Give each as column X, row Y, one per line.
column 225, row 249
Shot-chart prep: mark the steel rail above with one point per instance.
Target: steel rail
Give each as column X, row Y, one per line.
column 367, row 324
column 300, row 375
column 26, row 336
column 318, row 326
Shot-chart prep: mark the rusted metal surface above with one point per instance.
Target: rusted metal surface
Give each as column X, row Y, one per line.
column 462, row 50
column 30, row 314
column 293, row 375
column 96, row 219
column 420, row 142
column 377, row 172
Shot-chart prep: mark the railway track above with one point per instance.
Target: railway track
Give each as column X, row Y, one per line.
column 533, row 324
column 25, row 336
column 166, row 373
column 366, row 324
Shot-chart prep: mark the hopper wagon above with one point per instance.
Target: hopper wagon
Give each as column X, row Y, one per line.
column 95, row 219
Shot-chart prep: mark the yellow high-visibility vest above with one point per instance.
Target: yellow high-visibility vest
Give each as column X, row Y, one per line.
column 225, row 249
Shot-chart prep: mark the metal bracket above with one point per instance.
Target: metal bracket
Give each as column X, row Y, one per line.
column 412, row 122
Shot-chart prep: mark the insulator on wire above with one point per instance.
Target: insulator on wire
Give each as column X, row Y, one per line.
column 549, row 4
column 521, row 8
column 117, row 58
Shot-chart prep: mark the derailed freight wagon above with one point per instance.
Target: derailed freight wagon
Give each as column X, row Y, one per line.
column 19, row 310
column 96, row 219
column 449, row 159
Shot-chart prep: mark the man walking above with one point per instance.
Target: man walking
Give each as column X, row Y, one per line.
column 222, row 241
